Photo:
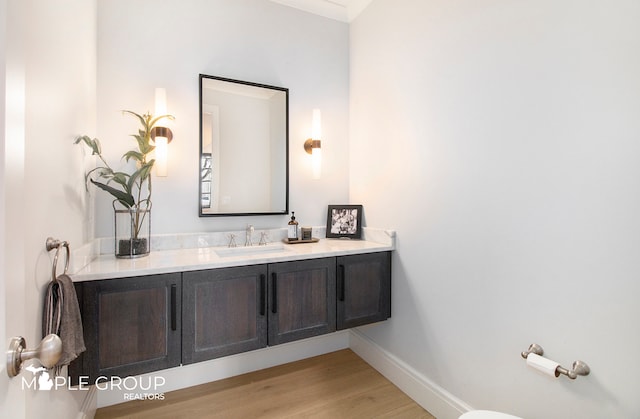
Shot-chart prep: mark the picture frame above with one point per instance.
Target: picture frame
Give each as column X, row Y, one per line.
column 344, row 221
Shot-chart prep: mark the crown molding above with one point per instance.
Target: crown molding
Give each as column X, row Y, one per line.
column 340, row 10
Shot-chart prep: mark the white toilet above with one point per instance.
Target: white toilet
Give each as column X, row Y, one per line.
column 486, row 414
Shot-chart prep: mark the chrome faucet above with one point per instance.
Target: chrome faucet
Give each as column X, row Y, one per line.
column 249, row 231
column 232, row 240
column 263, row 238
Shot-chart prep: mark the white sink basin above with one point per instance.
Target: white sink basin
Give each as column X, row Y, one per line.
column 251, row 250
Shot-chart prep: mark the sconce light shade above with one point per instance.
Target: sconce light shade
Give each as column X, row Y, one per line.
column 161, row 156
column 313, row 145
column 316, row 162
column 316, row 125
column 161, row 135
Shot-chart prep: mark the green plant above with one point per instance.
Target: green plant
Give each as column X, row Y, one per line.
column 132, row 190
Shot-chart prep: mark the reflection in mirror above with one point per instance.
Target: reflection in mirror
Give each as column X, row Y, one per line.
column 244, row 135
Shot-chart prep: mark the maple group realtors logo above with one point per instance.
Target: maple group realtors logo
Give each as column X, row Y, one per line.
column 133, row 388
column 44, row 381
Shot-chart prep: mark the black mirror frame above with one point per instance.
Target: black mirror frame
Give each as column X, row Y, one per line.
column 286, row 92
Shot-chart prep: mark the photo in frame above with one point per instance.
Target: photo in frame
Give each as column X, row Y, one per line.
column 344, row 221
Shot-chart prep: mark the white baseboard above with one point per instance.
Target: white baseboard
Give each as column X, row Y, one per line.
column 89, row 404
column 439, row 402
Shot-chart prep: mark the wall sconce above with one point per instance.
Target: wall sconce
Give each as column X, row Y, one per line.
column 313, row 144
column 161, row 135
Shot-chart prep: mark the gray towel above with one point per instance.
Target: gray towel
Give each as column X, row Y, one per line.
column 62, row 316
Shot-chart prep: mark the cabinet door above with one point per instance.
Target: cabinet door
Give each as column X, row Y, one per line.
column 364, row 289
column 302, row 298
column 224, row 312
column 131, row 325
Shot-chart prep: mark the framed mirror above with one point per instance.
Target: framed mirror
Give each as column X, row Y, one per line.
column 244, row 148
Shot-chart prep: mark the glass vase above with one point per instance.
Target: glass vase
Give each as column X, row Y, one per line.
column 133, row 231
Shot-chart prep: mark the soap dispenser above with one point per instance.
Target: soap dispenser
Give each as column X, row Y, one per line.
column 292, row 233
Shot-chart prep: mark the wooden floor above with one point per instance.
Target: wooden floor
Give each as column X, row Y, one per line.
column 335, row 385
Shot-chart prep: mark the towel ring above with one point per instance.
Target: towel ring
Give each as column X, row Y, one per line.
column 57, row 244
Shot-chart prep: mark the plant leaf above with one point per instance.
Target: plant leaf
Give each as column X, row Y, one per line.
column 94, row 144
column 133, row 178
column 121, row 178
column 145, row 170
column 142, row 174
column 132, row 154
column 155, row 120
column 124, row 197
column 145, row 146
column 102, row 172
column 96, row 147
column 140, row 117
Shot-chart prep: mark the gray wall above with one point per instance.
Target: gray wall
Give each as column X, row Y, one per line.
column 251, row 40
column 501, row 140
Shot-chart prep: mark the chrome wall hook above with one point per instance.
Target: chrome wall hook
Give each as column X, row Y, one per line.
column 48, row 352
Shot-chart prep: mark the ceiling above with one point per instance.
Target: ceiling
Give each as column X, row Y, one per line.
column 342, row 10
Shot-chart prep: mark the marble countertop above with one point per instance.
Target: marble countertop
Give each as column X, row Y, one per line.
column 198, row 258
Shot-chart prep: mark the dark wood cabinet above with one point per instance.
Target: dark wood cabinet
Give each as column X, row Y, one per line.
column 364, row 289
column 302, row 299
column 131, row 325
column 142, row 324
column 224, row 312
column 232, row 310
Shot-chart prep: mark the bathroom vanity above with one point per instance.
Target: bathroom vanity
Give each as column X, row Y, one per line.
column 183, row 306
